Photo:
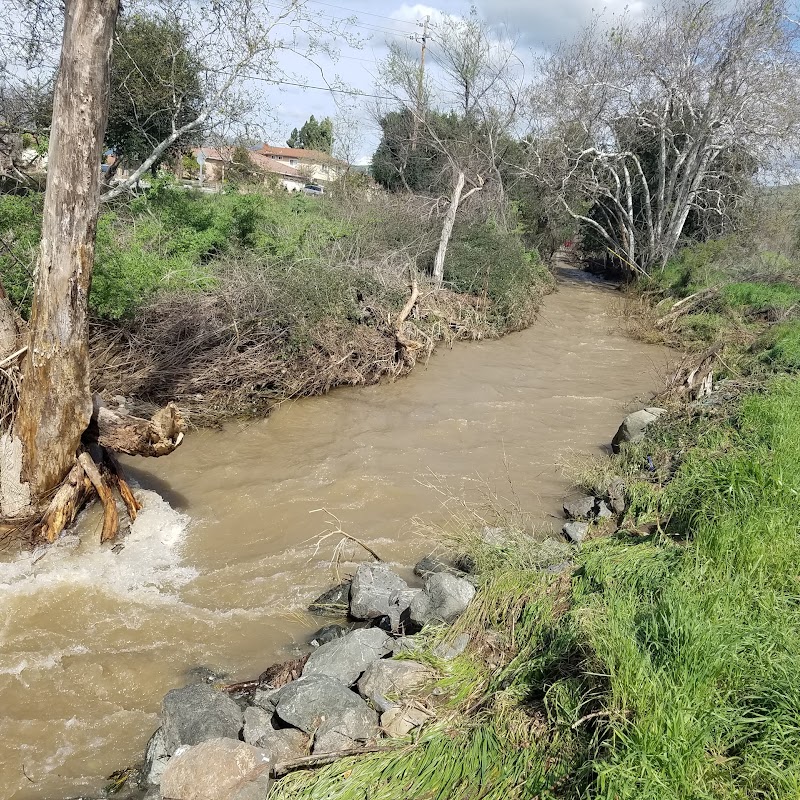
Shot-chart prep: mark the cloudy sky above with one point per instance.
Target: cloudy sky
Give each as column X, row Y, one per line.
column 539, row 25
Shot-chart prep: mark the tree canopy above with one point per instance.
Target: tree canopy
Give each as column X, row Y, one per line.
column 156, row 86
column 313, row 135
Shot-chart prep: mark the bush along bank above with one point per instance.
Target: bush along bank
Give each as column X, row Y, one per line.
column 228, row 304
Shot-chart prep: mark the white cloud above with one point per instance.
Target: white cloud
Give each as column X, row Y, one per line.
column 544, row 23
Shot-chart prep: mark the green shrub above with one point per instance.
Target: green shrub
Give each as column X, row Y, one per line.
column 20, row 229
column 485, row 262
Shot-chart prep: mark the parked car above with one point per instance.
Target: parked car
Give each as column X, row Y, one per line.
column 314, row 189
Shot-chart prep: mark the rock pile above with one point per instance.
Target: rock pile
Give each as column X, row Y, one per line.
column 215, row 746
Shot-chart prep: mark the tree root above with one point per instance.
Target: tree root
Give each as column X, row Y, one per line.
column 97, row 472
column 66, row 503
column 110, row 513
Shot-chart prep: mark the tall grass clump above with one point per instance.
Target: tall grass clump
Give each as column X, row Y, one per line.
column 698, row 627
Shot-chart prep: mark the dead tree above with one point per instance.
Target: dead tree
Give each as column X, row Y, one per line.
column 665, row 115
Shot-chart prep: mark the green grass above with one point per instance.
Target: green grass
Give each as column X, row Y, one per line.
column 698, row 628
column 780, row 347
column 761, row 296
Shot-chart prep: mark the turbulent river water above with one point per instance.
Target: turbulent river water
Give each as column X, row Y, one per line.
column 220, row 564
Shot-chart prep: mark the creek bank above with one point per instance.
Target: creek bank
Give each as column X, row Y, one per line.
column 348, row 695
column 369, row 679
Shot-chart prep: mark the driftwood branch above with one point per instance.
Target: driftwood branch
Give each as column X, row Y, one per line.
column 311, row 762
column 116, row 478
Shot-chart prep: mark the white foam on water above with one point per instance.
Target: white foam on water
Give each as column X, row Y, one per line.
column 147, row 568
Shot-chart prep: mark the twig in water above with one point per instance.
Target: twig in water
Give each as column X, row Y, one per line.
column 339, row 532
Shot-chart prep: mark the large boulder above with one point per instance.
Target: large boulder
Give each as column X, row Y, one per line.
column 217, row 769
column 353, row 727
column 196, row 713
column 346, row 658
column 282, row 745
column 311, row 700
column 333, row 603
column 257, row 723
column 155, row 759
column 385, row 682
column 580, row 506
column 372, row 591
column 634, row 426
column 432, row 564
column 443, row 599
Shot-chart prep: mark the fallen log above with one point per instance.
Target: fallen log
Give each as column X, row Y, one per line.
column 124, row 433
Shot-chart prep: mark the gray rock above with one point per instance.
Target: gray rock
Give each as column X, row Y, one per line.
column 372, row 590
column 494, row 536
column 327, row 634
column 579, row 506
column 383, row 682
column 309, row 701
column 257, row 724
column 256, row 789
column 333, row 603
column 196, row 713
column 399, row 603
column 616, row 496
column 217, row 769
column 266, row 699
column 404, row 645
column 352, row 727
column 346, row 658
column 634, row 426
column 562, row 566
column 603, row 511
column 432, row 564
column 575, row 531
column 282, row 745
column 443, row 599
column 400, row 721
column 155, row 759
column 448, row 650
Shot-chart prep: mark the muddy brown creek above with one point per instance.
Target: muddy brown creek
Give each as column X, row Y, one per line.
column 222, row 561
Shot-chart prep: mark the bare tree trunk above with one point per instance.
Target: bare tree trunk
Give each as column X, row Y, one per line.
column 447, row 230
column 55, row 404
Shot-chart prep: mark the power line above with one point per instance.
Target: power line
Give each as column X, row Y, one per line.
column 353, row 92
column 366, row 13
column 368, row 27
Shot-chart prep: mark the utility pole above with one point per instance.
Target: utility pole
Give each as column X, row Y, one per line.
column 420, row 79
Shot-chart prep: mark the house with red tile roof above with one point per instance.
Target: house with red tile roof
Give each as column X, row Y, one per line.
column 317, row 166
column 217, row 159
